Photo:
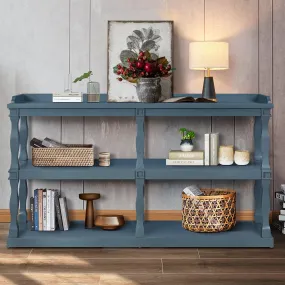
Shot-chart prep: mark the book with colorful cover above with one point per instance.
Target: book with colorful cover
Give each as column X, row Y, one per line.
column 32, row 213
column 36, row 211
column 40, row 208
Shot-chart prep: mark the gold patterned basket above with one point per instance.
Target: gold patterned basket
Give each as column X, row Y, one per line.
column 71, row 155
column 215, row 212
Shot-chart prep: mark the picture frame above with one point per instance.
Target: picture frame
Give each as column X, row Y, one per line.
column 126, row 37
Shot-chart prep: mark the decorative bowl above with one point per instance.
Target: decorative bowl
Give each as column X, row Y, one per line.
column 109, row 222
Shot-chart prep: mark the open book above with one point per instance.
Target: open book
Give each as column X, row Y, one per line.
column 187, row 100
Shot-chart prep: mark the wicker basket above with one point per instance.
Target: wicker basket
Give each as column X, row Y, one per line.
column 72, row 155
column 215, row 212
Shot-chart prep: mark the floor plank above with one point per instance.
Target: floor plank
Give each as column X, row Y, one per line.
column 78, row 265
column 223, row 265
column 187, row 279
column 49, row 278
column 60, row 253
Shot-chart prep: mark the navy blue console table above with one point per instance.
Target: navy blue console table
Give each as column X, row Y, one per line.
column 140, row 233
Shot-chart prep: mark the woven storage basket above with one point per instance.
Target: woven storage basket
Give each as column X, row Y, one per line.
column 214, row 212
column 71, row 155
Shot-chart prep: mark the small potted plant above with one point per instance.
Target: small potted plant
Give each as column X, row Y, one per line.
column 187, row 137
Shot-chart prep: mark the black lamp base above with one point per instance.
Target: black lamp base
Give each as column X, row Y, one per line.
column 209, row 89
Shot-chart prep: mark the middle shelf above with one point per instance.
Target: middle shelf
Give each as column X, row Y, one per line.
column 155, row 169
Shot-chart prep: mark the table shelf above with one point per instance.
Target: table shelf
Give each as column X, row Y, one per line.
column 140, row 169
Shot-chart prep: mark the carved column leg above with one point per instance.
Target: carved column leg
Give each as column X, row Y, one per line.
column 23, row 191
column 140, row 174
column 14, row 174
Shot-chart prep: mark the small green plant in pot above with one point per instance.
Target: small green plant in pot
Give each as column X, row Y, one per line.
column 187, row 137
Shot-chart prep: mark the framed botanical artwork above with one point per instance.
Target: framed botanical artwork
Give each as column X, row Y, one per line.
column 140, row 59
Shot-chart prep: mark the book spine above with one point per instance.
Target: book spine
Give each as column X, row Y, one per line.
column 58, row 212
column 214, row 145
column 48, row 209
column 36, row 211
column 32, row 213
column 63, row 214
column 44, row 210
column 207, row 149
column 52, row 212
column 283, row 205
column 186, row 155
column 280, row 196
column 281, row 218
column 185, row 162
column 40, row 198
column 282, row 212
column 66, row 212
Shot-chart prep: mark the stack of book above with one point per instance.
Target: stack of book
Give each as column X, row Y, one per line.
column 178, row 157
column 211, row 148
column 280, row 223
column 48, row 210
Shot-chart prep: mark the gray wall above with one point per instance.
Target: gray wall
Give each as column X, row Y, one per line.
column 42, row 40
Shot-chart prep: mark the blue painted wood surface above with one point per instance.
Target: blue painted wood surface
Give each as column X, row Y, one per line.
column 156, row 234
column 141, row 234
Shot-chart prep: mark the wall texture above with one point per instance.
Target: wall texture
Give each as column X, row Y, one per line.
column 41, row 41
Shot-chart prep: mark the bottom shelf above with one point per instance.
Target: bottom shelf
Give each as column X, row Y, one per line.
column 157, row 234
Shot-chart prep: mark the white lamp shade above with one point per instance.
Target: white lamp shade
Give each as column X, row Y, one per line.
column 208, row 55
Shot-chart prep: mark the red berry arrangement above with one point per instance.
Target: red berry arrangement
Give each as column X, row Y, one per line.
column 143, row 66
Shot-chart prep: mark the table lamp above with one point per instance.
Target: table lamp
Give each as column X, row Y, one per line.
column 209, row 56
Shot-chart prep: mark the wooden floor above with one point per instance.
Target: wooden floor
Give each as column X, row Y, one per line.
column 142, row 266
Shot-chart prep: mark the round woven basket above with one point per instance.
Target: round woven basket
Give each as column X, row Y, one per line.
column 214, row 212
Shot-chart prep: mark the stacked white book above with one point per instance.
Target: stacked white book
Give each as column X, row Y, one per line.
column 280, row 224
column 72, row 97
column 211, row 148
column 186, row 158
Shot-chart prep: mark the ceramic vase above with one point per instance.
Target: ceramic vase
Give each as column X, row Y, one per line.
column 226, row 155
column 242, row 157
column 186, row 145
column 149, row 89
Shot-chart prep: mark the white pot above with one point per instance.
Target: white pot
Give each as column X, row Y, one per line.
column 186, row 146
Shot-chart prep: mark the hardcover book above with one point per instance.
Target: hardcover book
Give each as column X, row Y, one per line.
column 57, row 210
column 178, row 154
column 214, row 147
column 40, row 207
column 184, row 162
column 32, row 213
column 48, row 208
column 36, row 211
column 207, row 149
column 64, row 213
column 44, row 210
column 52, row 211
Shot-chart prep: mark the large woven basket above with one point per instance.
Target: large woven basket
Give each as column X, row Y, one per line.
column 214, row 212
column 71, row 155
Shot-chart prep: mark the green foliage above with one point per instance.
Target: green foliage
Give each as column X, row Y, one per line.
column 83, row 76
column 186, row 134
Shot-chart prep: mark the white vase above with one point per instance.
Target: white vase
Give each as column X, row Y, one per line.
column 226, row 155
column 242, row 157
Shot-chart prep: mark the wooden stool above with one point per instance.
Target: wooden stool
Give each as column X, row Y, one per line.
column 89, row 214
